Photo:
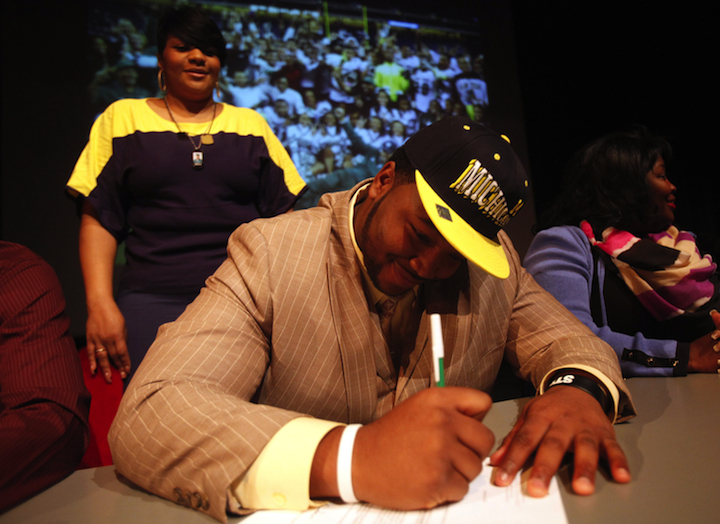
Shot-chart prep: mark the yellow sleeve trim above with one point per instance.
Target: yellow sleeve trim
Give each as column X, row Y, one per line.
column 245, row 121
column 280, row 477
column 609, row 384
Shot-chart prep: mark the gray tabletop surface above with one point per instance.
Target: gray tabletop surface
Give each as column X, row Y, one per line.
column 672, row 447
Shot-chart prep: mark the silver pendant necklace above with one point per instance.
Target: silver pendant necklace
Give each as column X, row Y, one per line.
column 198, row 157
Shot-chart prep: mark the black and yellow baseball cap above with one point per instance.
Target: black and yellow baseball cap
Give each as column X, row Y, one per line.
column 471, row 184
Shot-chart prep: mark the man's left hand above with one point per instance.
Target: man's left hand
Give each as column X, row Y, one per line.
column 564, row 419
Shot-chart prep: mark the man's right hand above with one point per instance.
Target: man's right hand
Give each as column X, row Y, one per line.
column 423, row 453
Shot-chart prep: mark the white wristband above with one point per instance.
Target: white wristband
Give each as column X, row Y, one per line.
column 344, row 463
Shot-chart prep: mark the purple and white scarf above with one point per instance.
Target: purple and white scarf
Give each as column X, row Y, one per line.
column 665, row 271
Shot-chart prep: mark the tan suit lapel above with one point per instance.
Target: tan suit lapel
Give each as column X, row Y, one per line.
column 356, row 330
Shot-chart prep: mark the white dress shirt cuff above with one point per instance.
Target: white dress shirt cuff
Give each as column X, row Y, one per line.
column 280, row 476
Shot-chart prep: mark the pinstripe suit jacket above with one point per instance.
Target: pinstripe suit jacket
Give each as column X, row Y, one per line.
column 283, row 329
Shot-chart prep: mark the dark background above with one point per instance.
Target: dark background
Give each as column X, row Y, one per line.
column 583, row 70
column 586, row 71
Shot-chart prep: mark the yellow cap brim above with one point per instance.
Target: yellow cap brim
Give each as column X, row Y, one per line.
column 477, row 248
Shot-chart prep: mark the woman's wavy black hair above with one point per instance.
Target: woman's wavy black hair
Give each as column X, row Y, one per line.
column 195, row 28
column 606, row 183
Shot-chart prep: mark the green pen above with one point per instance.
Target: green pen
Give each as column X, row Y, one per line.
column 438, row 349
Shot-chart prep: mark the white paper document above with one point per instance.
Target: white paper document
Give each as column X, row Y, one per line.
column 484, row 503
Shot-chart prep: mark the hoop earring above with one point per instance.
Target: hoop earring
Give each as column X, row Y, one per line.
column 217, row 90
column 161, row 81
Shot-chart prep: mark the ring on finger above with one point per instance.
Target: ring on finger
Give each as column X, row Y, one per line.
column 100, row 350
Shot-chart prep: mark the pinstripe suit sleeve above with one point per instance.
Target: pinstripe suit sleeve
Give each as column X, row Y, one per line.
column 44, row 404
column 186, row 428
column 544, row 335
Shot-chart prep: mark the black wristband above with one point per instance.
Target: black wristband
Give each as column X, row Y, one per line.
column 577, row 379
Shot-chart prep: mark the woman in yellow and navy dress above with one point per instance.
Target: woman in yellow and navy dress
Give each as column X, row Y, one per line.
column 172, row 177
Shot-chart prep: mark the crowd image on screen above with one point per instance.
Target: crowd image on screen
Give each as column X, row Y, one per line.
column 338, row 93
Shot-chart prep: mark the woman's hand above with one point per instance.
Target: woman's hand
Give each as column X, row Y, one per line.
column 106, row 339
column 705, row 351
column 105, row 328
